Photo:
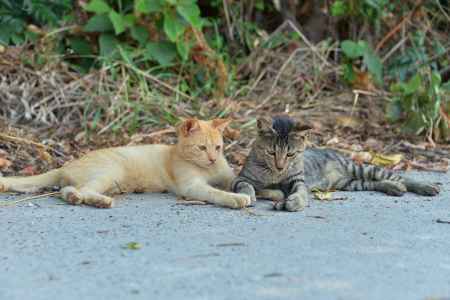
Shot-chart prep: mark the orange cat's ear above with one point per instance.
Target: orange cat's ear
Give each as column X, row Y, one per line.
column 221, row 124
column 187, row 127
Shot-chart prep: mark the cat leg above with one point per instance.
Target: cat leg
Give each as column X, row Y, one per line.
column 297, row 200
column 424, row 189
column 271, row 194
column 245, row 188
column 89, row 194
column 393, row 188
column 202, row 191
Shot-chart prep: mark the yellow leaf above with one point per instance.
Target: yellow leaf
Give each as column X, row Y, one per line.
column 321, row 195
column 386, row 160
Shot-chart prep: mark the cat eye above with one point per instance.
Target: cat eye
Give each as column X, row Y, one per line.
column 290, row 154
column 202, row 147
column 270, row 152
column 218, row 147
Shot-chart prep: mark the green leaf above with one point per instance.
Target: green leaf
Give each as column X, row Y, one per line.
column 117, row 21
column 435, row 81
column 148, row 6
column 339, row 8
column 413, row 85
column 353, row 50
column 394, row 111
column 173, row 26
column 140, row 34
column 97, row 6
column 190, row 13
column 446, row 86
column 183, row 49
column 163, row 52
column 349, row 74
column 133, row 246
column 80, row 46
column 374, row 64
column 99, row 23
column 108, row 45
column 129, row 20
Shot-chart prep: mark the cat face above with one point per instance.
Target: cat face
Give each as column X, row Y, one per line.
column 280, row 140
column 201, row 142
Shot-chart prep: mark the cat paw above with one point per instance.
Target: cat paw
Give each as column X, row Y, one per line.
column 73, row 197
column 394, row 188
column 428, row 190
column 241, row 201
column 295, row 202
column 104, row 202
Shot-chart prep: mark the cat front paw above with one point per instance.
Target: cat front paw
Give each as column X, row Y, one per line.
column 241, row 201
column 295, row 202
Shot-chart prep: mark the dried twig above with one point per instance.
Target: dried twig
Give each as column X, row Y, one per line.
column 10, row 203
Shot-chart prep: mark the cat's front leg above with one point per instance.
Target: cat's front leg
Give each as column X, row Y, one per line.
column 296, row 201
column 202, row 191
column 243, row 187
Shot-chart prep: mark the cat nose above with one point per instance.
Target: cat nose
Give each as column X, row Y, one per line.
column 212, row 160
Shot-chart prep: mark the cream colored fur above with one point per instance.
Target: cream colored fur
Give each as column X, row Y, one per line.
column 192, row 168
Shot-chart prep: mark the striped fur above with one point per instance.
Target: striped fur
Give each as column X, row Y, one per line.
column 278, row 161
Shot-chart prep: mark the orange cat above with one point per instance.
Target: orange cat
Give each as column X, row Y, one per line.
column 190, row 169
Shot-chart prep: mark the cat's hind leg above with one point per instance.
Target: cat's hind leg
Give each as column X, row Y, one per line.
column 89, row 194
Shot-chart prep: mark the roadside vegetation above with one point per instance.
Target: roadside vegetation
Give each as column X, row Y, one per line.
column 371, row 76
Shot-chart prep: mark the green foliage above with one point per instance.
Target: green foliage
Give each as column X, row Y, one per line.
column 355, row 50
column 15, row 15
column 172, row 17
column 416, row 103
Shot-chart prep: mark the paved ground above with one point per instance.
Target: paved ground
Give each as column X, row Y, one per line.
column 368, row 247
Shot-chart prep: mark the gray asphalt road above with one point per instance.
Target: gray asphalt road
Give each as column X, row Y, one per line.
column 369, row 246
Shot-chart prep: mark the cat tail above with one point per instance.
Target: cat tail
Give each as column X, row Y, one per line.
column 30, row 183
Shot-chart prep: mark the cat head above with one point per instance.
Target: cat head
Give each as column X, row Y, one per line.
column 201, row 142
column 280, row 140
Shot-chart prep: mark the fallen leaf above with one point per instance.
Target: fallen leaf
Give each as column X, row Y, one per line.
column 28, row 171
column 133, row 246
column 232, row 134
column 44, row 155
column 4, row 163
column 348, row 121
column 382, row 160
column 321, row 195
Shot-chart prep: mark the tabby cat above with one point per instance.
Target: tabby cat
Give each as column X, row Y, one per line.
column 280, row 168
column 189, row 169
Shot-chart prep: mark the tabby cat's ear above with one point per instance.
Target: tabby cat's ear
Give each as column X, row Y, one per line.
column 264, row 125
column 187, row 127
column 221, row 124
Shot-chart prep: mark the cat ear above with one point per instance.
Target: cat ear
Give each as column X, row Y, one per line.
column 221, row 124
column 264, row 125
column 188, row 126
